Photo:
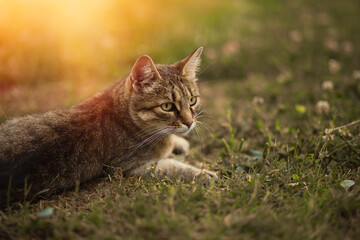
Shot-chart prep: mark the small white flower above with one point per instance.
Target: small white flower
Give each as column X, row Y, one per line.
column 345, row 132
column 334, row 66
column 257, row 100
column 328, row 131
column 328, row 136
column 331, row 44
column 322, row 107
column 327, row 85
column 323, row 154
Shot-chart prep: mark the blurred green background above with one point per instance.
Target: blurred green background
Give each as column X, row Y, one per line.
column 55, row 53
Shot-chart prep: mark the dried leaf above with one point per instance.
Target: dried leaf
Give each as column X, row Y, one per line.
column 256, row 154
column 346, row 184
column 46, row 212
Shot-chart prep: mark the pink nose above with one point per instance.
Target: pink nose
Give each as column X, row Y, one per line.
column 189, row 123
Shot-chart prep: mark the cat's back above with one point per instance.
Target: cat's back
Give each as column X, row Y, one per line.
column 41, row 133
column 21, row 138
column 44, row 144
column 57, row 134
column 29, row 127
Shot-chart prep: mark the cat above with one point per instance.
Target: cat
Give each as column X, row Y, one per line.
column 135, row 125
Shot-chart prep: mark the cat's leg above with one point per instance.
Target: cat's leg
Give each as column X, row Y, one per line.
column 172, row 169
column 181, row 146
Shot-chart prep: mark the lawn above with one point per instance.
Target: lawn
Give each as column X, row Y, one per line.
column 280, row 84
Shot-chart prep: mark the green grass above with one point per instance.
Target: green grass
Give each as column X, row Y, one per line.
column 280, row 178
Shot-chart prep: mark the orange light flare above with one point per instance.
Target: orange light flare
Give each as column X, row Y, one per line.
column 73, row 36
column 74, row 46
column 78, row 47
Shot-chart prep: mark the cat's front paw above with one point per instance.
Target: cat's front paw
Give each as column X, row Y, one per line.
column 181, row 146
column 209, row 175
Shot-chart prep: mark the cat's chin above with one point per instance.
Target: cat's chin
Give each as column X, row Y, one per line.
column 183, row 134
column 184, row 131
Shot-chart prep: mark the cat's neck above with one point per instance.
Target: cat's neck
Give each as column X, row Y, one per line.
column 112, row 103
column 114, row 99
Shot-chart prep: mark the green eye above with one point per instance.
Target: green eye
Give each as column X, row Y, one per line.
column 167, row 106
column 193, row 101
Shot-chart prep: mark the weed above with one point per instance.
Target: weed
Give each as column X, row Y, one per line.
column 283, row 106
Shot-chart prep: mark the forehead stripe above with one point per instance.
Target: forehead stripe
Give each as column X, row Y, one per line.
column 176, row 95
column 189, row 92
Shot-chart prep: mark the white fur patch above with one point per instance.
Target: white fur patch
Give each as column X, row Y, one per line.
column 184, row 130
column 180, row 143
column 144, row 116
column 171, row 167
column 148, row 88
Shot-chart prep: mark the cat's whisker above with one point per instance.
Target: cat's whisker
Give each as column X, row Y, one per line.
column 200, row 131
column 199, row 113
column 156, row 140
column 208, row 117
column 150, row 130
column 206, row 83
column 203, row 113
column 203, row 131
column 201, row 135
column 197, row 131
column 153, row 138
column 139, row 145
column 206, row 68
column 199, row 116
column 145, row 133
column 205, row 125
column 196, row 135
column 204, row 128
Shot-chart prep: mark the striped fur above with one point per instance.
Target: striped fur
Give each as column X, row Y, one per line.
column 123, row 126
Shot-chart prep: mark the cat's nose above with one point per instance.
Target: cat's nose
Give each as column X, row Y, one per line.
column 189, row 123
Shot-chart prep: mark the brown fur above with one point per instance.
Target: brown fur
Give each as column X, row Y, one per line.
column 117, row 127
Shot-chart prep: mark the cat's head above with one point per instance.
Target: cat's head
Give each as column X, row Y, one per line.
column 165, row 98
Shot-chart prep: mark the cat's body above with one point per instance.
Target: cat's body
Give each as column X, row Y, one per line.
column 130, row 125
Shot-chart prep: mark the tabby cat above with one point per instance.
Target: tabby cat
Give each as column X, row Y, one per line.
column 135, row 124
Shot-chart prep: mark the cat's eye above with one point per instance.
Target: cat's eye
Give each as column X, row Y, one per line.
column 193, row 101
column 167, row 107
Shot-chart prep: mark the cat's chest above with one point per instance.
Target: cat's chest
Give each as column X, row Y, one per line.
column 137, row 156
column 165, row 149
column 160, row 150
column 155, row 150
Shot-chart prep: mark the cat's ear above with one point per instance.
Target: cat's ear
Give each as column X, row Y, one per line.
column 190, row 65
column 143, row 73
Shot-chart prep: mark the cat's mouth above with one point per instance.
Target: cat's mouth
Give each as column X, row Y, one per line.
column 184, row 129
